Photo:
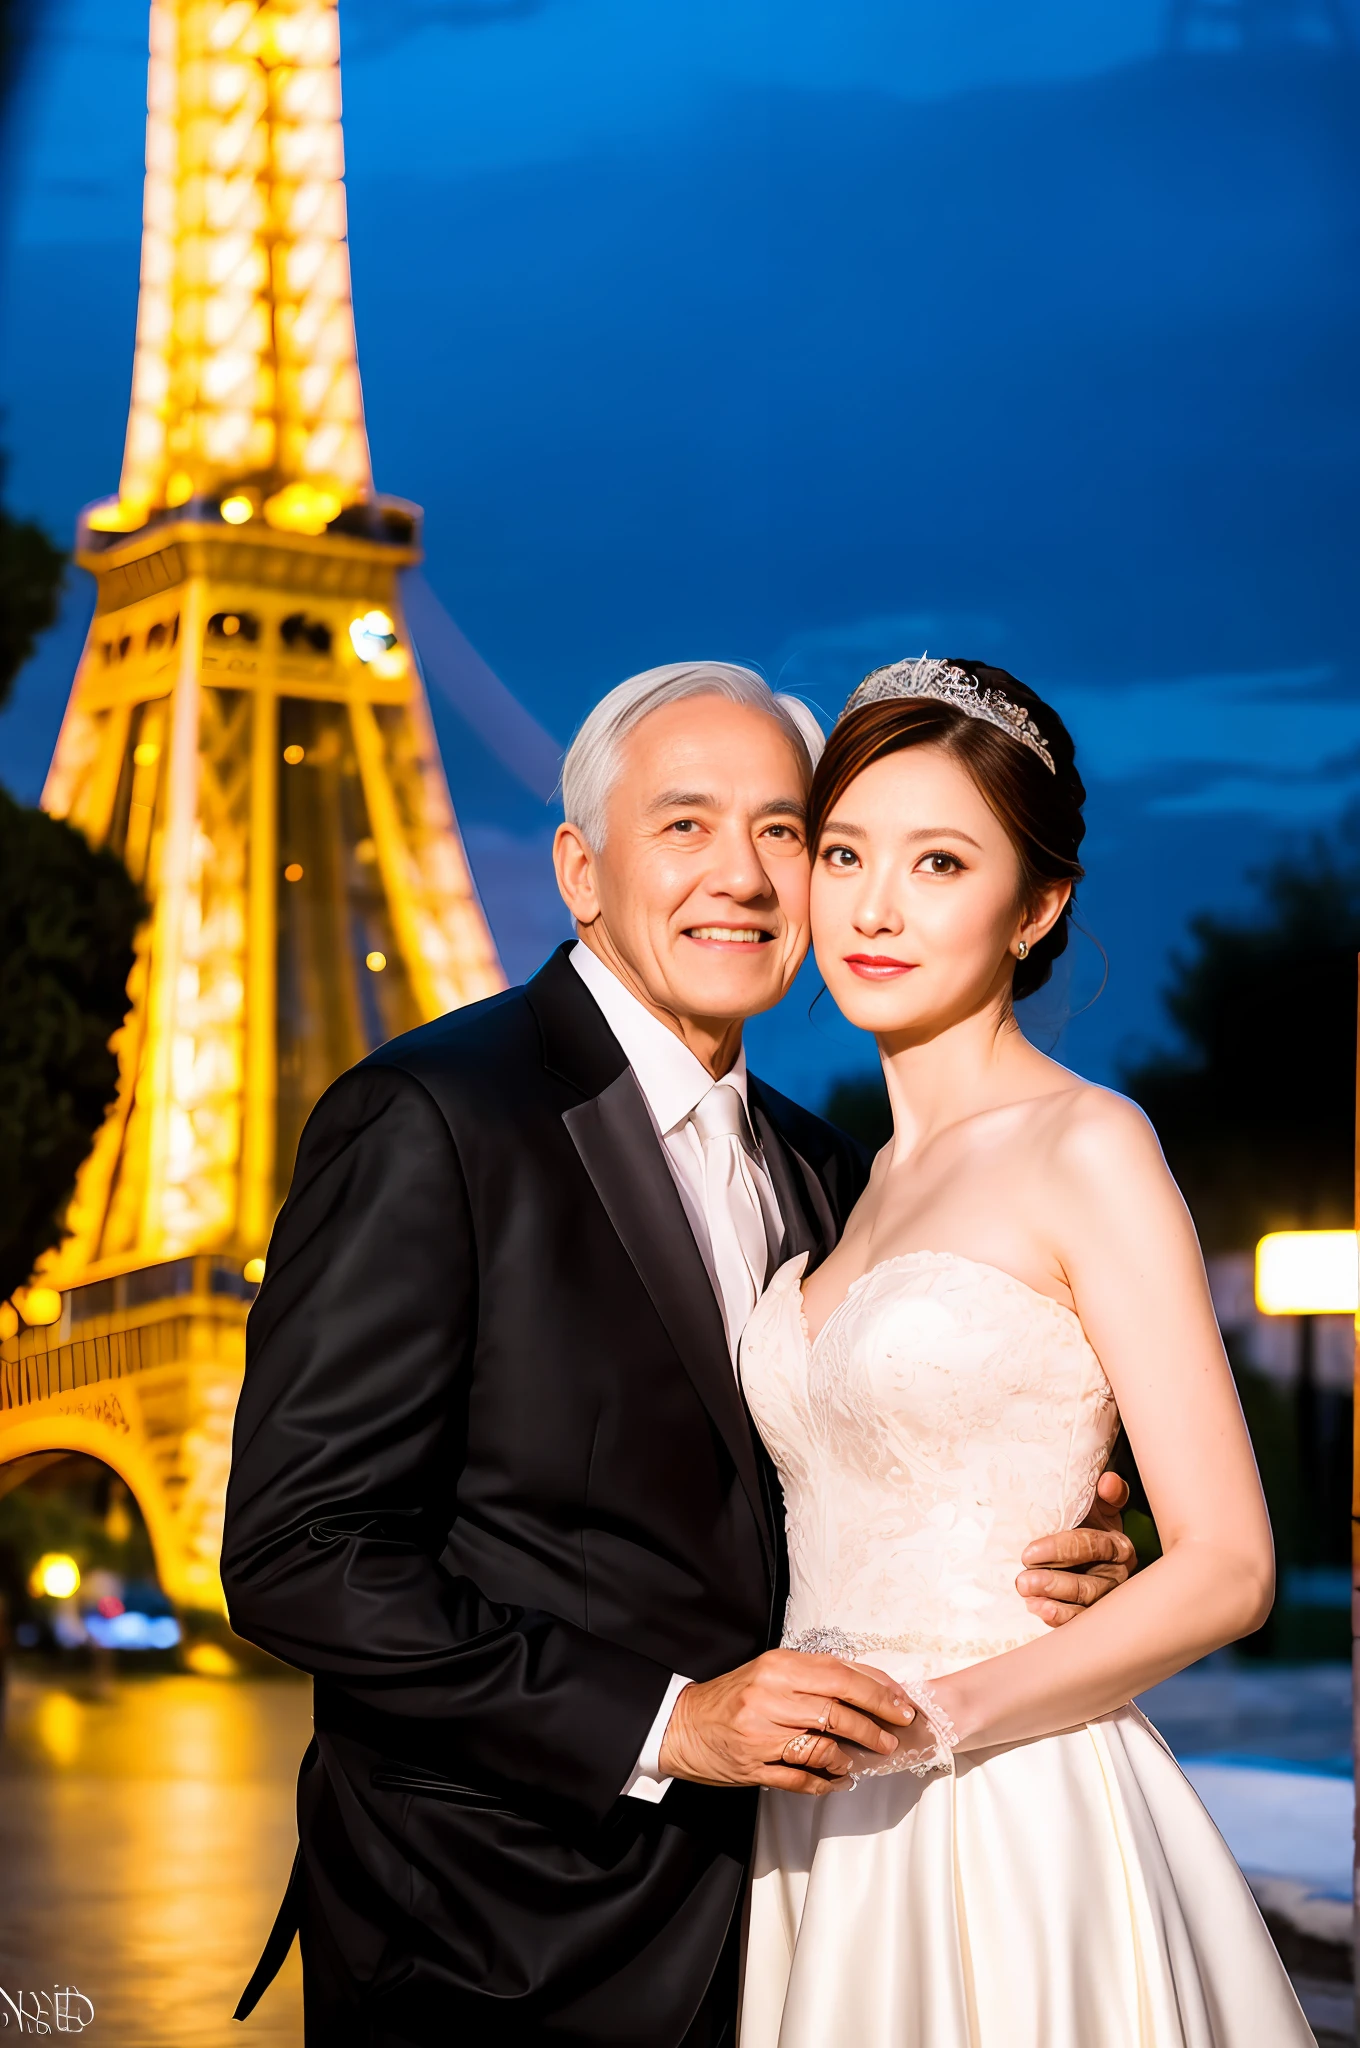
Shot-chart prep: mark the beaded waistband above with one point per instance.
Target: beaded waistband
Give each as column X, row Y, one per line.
column 839, row 1642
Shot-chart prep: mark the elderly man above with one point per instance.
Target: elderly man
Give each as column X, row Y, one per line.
column 494, row 1484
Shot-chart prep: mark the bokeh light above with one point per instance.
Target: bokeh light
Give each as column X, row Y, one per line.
column 1307, row 1273
column 39, row 1306
column 371, row 635
column 55, row 1576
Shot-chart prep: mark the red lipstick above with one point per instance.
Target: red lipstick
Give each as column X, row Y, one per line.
column 877, row 966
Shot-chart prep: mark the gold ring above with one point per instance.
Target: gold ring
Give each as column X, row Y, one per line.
column 797, row 1744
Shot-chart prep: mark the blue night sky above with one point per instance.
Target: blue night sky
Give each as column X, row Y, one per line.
column 811, row 335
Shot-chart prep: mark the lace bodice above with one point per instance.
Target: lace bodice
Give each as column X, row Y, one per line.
column 945, row 1417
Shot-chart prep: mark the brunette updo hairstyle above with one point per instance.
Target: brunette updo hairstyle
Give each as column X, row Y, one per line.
column 1040, row 809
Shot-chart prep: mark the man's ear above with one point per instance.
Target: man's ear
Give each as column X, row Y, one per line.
column 575, row 866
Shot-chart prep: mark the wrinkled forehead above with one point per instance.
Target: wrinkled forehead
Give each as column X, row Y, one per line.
column 706, row 746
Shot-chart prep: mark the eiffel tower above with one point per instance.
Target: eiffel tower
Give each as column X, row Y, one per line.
column 249, row 731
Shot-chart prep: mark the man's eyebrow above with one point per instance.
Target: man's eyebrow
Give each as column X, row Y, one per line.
column 684, row 800
column 704, row 800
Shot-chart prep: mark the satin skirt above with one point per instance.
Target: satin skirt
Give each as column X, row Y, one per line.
column 1065, row 1893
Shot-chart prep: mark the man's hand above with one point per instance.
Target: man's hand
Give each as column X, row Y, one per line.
column 1076, row 1567
column 776, row 1721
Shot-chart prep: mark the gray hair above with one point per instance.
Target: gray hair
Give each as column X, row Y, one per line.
column 591, row 767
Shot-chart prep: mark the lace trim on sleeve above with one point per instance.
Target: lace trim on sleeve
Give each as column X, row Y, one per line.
column 921, row 1761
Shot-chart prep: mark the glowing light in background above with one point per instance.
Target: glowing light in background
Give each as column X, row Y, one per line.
column 132, row 1631
column 246, row 411
column 1308, row 1273
column 55, row 1576
column 303, row 508
column 372, row 635
column 375, row 962
column 245, row 363
column 58, row 1725
column 253, row 1270
column 38, row 1306
column 115, row 517
column 210, row 1660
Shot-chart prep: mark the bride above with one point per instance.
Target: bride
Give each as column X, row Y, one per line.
column 1030, row 1869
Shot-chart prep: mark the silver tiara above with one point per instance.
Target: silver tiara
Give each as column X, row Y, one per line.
column 948, row 684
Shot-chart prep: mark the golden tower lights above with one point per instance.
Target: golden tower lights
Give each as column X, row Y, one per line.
column 247, row 728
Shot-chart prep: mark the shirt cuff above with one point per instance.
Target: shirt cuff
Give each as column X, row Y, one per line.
column 646, row 1781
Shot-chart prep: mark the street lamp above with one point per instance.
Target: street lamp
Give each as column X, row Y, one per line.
column 1309, row 1273
column 55, row 1576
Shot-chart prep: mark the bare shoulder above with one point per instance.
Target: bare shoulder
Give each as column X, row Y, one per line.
column 1100, row 1140
column 1075, row 1123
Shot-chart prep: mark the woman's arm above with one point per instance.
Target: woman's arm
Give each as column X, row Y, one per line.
column 1128, row 1248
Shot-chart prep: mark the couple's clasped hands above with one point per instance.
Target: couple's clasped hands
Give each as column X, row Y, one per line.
column 808, row 1724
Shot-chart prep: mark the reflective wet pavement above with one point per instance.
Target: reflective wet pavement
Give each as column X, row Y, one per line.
column 146, row 1832
column 145, row 1840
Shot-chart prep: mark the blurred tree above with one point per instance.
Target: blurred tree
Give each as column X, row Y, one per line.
column 18, row 21
column 1256, row 1112
column 31, row 573
column 1256, row 1107
column 68, row 915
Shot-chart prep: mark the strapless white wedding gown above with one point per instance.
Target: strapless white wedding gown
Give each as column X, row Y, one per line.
column 1069, row 1892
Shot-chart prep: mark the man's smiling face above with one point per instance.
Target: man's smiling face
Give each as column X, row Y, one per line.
column 698, row 897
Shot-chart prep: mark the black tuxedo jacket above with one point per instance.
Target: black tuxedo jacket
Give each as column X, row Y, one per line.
column 493, row 1483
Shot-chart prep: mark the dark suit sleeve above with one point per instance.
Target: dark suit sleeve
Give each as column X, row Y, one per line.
column 345, row 1468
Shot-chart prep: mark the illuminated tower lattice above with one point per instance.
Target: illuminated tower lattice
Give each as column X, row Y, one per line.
column 248, row 730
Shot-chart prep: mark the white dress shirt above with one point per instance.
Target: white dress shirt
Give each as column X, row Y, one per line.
column 673, row 1082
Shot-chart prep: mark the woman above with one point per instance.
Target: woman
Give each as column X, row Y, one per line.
column 1029, row 1869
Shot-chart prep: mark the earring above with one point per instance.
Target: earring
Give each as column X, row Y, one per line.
column 1022, row 949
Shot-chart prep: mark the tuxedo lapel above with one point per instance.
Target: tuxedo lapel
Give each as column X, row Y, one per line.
column 619, row 1148
column 617, row 1144
column 809, row 1225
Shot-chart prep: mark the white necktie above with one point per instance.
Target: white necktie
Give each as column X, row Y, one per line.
column 736, row 1221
